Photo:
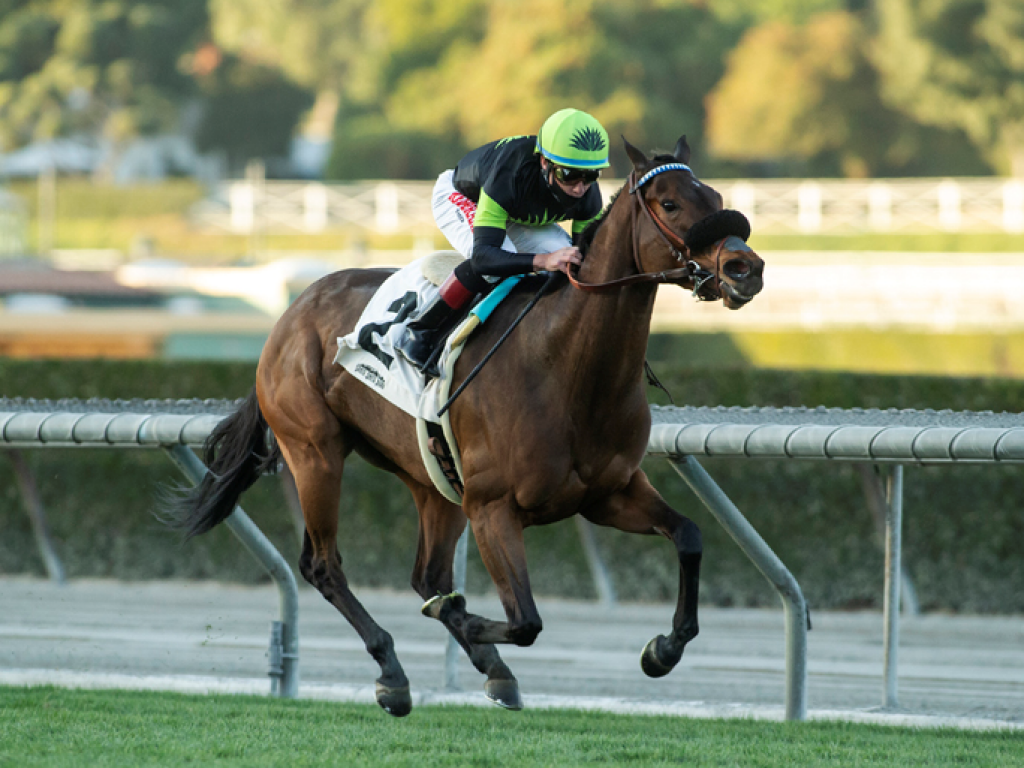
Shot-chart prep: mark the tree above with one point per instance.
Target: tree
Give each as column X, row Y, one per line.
column 318, row 44
column 323, row 46
column 641, row 68
column 757, row 12
column 806, row 97
column 251, row 111
column 105, row 68
column 958, row 63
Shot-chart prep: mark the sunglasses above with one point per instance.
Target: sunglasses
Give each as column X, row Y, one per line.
column 573, row 175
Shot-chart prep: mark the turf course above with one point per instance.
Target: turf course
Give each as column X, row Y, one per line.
column 56, row 727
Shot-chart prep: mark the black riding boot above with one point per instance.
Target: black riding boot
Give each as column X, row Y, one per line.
column 426, row 332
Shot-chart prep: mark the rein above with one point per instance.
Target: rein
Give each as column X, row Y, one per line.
column 675, row 243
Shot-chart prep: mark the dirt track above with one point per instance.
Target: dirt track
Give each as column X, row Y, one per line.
column 949, row 666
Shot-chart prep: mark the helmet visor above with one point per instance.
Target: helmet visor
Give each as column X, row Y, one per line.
column 574, row 175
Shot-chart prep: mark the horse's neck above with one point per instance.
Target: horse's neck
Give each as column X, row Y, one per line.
column 604, row 335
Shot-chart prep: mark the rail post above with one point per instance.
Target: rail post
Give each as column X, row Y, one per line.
column 768, row 563
column 453, row 649
column 891, row 602
column 284, row 634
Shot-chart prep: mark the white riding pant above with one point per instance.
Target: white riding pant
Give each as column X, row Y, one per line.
column 454, row 214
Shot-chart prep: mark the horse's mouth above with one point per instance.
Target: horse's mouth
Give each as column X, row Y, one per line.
column 733, row 299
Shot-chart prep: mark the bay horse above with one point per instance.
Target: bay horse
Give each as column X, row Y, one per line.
column 556, row 424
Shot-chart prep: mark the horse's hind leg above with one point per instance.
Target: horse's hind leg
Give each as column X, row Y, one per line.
column 441, row 525
column 640, row 509
column 317, row 464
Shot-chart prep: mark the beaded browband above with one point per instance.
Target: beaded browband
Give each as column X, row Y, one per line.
column 660, row 169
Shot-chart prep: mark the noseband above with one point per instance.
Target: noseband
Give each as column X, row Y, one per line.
column 677, row 245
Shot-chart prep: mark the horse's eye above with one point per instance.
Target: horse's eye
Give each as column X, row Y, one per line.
column 668, row 205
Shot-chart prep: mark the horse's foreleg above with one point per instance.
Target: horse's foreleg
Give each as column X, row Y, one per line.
column 499, row 538
column 640, row 509
column 441, row 525
column 317, row 471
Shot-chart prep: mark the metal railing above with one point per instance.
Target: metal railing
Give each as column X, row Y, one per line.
column 889, row 437
column 883, row 437
column 175, row 426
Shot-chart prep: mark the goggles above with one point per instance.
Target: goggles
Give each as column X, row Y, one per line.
column 574, row 175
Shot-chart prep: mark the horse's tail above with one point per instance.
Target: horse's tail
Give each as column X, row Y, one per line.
column 237, row 452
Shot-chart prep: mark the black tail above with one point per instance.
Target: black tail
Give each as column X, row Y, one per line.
column 237, row 452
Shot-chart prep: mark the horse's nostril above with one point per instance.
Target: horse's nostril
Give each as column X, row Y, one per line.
column 737, row 269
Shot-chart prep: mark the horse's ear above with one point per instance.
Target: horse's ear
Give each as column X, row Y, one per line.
column 682, row 153
column 636, row 157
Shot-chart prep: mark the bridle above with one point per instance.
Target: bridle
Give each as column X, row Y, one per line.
column 690, row 269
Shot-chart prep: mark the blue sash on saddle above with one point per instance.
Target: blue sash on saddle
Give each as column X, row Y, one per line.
column 479, row 314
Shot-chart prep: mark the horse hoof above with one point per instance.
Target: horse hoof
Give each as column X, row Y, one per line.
column 439, row 606
column 394, row 701
column 432, row 608
column 652, row 664
column 504, row 693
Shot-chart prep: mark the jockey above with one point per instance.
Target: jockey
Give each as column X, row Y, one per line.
column 500, row 208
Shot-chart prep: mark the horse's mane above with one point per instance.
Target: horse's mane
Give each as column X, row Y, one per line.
column 588, row 234
column 590, row 231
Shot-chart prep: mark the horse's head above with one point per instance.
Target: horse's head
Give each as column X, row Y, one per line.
column 687, row 226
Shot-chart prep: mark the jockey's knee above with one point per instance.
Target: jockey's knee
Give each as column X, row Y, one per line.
column 455, row 292
column 473, row 281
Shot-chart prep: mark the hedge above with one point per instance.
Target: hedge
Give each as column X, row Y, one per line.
column 963, row 526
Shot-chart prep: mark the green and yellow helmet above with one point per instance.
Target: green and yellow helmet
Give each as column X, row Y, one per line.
column 573, row 139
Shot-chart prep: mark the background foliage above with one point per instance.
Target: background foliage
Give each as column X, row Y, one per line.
column 963, row 532
column 780, row 87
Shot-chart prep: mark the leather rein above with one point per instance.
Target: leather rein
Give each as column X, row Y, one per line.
column 676, row 244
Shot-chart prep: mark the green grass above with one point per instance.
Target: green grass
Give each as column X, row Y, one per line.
column 862, row 350
column 54, row 727
column 928, row 242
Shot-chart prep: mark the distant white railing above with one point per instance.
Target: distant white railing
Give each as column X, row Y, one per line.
column 773, row 205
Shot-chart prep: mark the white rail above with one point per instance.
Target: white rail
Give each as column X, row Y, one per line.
column 989, row 204
column 901, row 437
column 886, row 437
column 149, row 424
column 883, row 437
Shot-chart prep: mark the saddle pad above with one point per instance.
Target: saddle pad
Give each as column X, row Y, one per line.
column 369, row 352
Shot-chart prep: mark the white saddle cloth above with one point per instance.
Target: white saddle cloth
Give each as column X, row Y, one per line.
column 370, row 352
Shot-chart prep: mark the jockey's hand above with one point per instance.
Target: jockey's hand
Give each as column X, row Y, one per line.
column 557, row 261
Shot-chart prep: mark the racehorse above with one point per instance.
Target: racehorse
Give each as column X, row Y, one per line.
column 556, row 424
